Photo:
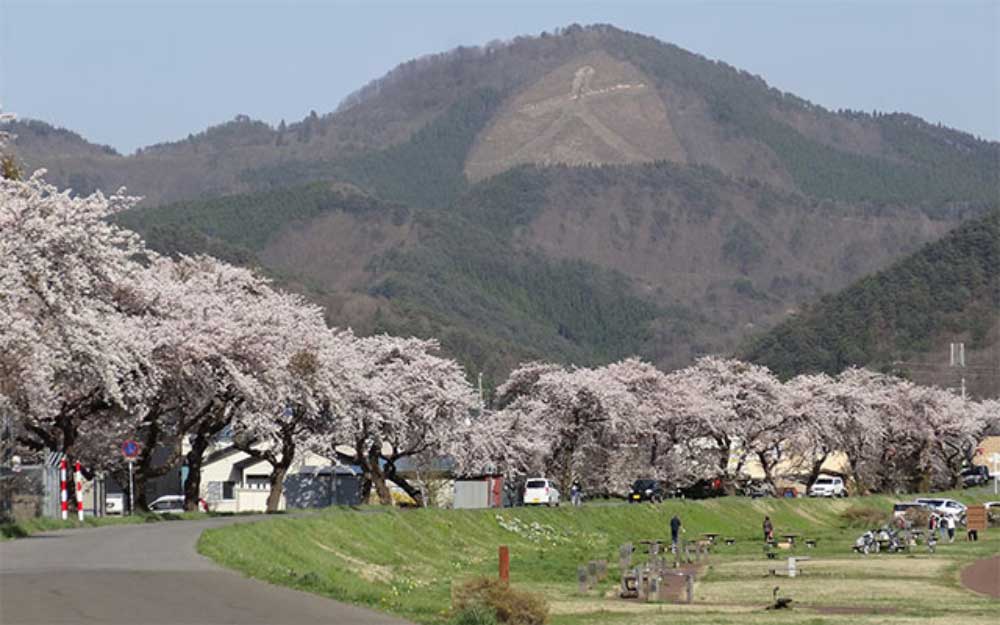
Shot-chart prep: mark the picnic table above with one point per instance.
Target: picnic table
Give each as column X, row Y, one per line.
column 790, row 538
column 650, row 543
column 710, row 536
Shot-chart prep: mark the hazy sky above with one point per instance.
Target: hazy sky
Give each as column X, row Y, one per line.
column 134, row 73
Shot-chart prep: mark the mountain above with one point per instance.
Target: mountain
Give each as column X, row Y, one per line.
column 905, row 317
column 581, row 195
column 579, row 96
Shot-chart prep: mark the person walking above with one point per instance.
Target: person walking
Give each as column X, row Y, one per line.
column 951, row 527
column 768, row 529
column 675, row 530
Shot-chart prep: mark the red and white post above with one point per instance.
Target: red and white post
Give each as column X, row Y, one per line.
column 78, row 478
column 62, row 488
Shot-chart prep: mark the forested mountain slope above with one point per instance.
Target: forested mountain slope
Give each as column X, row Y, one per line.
column 905, row 317
column 576, row 264
column 578, row 196
column 582, row 95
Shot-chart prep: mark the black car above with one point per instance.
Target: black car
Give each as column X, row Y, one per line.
column 976, row 475
column 647, row 490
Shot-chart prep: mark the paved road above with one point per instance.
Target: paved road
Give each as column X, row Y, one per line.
column 137, row 574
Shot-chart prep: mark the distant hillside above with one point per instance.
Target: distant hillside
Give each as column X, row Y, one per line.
column 905, row 317
column 579, row 196
column 580, row 96
column 579, row 264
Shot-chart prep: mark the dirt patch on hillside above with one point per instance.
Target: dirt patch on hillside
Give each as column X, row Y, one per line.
column 368, row 571
column 594, row 109
column 983, row 577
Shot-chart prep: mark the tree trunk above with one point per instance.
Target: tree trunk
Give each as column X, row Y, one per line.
column 817, row 468
column 408, row 488
column 277, row 482
column 381, row 487
column 193, row 461
column 768, row 467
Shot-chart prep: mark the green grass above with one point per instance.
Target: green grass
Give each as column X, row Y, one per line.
column 27, row 527
column 405, row 561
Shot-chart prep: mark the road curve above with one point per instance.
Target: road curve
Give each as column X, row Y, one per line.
column 983, row 576
column 151, row 574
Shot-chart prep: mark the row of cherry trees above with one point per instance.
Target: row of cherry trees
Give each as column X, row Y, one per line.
column 610, row 425
column 102, row 339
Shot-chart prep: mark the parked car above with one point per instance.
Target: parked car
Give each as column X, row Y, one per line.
column 647, row 490
column 167, row 504
column 703, row 489
column 992, row 513
column 755, row 489
column 976, row 475
column 114, row 503
column 540, row 491
column 826, row 486
column 948, row 507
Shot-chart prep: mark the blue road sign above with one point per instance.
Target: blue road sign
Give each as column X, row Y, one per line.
column 130, row 449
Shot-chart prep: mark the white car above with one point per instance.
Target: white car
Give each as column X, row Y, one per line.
column 948, row 507
column 168, row 504
column 826, row 486
column 540, row 491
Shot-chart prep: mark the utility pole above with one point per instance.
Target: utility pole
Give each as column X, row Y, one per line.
column 482, row 402
column 958, row 360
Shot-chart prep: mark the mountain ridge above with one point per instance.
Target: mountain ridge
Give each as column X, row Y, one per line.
column 650, row 201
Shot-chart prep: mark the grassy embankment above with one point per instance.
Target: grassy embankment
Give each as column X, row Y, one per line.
column 27, row 527
column 405, row 562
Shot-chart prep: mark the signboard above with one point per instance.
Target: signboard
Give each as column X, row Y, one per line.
column 975, row 518
column 130, row 449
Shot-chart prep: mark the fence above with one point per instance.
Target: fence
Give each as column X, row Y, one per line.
column 30, row 491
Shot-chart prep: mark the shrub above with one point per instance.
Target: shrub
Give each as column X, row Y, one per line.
column 917, row 517
column 475, row 615
column 858, row 516
column 509, row 606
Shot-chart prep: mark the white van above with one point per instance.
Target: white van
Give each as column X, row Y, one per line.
column 942, row 506
column 540, row 491
column 826, row 486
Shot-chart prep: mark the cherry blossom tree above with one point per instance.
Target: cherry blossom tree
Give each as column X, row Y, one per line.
column 583, row 417
column 403, row 401
column 745, row 417
column 73, row 334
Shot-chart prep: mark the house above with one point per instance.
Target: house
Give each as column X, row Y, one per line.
column 234, row 481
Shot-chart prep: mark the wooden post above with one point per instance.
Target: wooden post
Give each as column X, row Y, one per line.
column 505, row 564
column 625, row 557
column 583, row 579
column 689, row 587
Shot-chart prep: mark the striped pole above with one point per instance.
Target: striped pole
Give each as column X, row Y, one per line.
column 78, row 477
column 62, row 488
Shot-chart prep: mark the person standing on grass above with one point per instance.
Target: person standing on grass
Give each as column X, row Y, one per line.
column 951, row 527
column 576, row 493
column 768, row 529
column 675, row 530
